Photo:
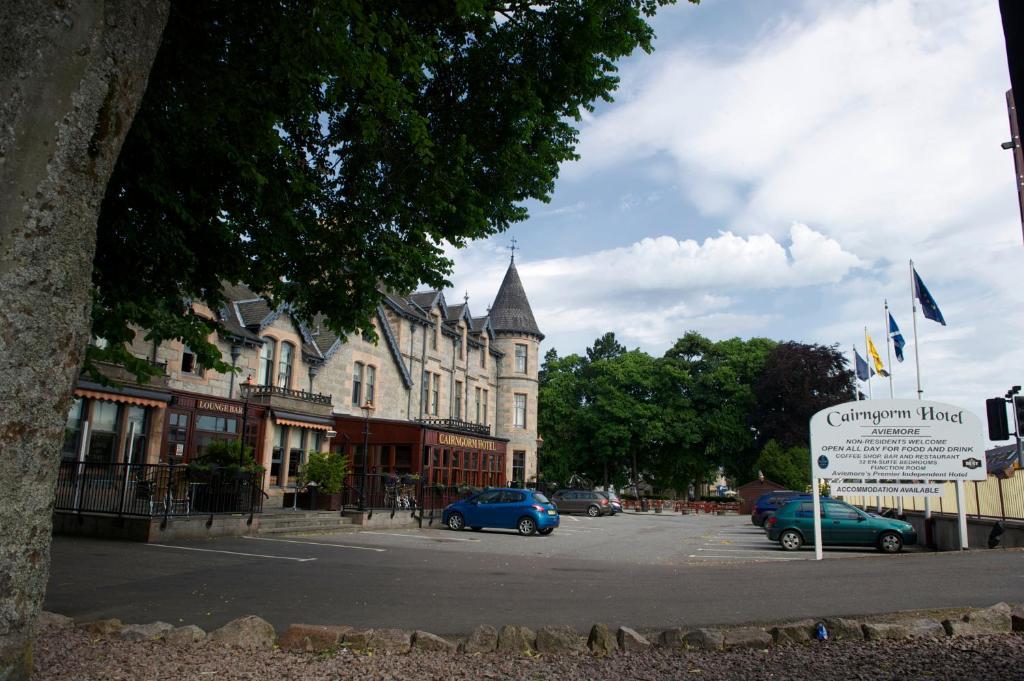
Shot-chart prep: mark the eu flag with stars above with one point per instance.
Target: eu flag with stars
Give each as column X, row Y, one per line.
column 897, row 338
column 928, row 305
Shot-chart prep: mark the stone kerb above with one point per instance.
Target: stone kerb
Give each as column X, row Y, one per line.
column 254, row 633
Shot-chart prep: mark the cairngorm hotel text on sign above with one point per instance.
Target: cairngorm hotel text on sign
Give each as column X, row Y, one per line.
column 897, row 440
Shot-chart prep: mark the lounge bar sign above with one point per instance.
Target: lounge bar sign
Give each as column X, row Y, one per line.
column 897, row 440
column 219, row 406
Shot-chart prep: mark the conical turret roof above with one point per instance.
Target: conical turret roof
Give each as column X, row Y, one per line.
column 511, row 310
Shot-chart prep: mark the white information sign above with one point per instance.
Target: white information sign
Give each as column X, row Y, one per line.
column 897, row 440
column 881, row 489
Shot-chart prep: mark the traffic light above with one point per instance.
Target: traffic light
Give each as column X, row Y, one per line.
column 1018, row 406
column 995, row 408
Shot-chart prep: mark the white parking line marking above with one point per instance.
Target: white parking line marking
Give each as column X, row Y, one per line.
column 741, row 558
column 233, row 553
column 317, row 543
column 739, row 550
column 416, row 536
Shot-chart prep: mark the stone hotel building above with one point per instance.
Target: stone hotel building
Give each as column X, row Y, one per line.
column 442, row 393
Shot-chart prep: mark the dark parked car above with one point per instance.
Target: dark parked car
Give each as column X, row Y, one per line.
column 524, row 510
column 767, row 504
column 586, row 501
column 841, row 525
column 613, row 501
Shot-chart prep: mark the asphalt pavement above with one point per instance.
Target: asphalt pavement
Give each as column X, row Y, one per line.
column 639, row 570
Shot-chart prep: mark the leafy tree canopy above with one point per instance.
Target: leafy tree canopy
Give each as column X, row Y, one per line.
column 788, row 466
column 317, row 150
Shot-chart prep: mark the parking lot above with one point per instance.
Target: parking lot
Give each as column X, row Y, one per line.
column 655, row 570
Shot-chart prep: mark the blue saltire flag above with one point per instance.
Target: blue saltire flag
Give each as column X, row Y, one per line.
column 897, row 338
column 928, row 305
column 864, row 372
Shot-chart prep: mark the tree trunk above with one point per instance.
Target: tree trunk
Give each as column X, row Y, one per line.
column 72, row 74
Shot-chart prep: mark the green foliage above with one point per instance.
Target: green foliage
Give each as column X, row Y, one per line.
column 224, row 454
column 787, row 466
column 326, row 469
column 322, row 151
column 678, row 418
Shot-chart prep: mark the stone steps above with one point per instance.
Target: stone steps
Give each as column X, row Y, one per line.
column 303, row 521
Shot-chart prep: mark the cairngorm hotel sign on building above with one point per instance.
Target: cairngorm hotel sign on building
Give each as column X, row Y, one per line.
column 895, row 440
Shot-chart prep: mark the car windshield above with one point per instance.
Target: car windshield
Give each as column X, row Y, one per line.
column 540, row 498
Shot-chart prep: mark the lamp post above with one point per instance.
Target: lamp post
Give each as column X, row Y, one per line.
column 246, row 388
column 367, row 410
column 236, row 352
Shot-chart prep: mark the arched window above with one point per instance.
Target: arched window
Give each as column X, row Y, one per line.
column 284, row 366
column 267, row 362
column 357, row 384
column 371, row 379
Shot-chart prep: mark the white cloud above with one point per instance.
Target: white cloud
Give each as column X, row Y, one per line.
column 653, row 290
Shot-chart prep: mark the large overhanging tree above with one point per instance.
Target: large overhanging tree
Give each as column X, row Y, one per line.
column 314, row 150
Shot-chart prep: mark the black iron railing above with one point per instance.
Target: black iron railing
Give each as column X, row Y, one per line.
column 256, row 391
column 154, row 490
column 459, row 425
column 398, row 492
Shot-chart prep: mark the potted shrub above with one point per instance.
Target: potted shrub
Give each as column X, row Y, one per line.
column 326, row 471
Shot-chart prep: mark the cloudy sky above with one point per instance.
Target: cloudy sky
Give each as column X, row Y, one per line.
column 769, row 171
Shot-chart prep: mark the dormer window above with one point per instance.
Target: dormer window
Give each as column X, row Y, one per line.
column 266, row 372
column 371, row 380
column 357, row 384
column 284, row 366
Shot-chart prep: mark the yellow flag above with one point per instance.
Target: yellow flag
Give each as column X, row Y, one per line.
column 873, row 353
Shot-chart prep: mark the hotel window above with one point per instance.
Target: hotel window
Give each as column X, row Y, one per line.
column 277, row 455
column 477, row 393
column 357, row 384
column 519, row 419
column 458, row 400
column 104, row 432
column 425, row 397
column 177, row 433
column 520, row 359
column 73, row 430
column 189, row 362
column 483, row 357
column 296, row 454
column 284, row 366
column 137, row 416
column 484, row 415
column 267, row 362
column 519, row 466
column 371, row 379
column 435, row 393
column 209, row 428
column 435, row 339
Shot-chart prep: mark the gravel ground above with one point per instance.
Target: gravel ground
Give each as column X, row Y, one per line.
column 73, row 655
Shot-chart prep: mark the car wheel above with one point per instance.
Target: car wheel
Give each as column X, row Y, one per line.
column 456, row 521
column 790, row 540
column 890, row 542
column 593, row 511
column 527, row 526
column 546, row 531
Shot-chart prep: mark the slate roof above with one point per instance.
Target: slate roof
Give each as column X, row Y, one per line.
column 511, row 310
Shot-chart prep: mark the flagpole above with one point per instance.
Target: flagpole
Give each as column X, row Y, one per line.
column 856, row 379
column 888, row 348
column 871, row 394
column 917, row 363
column 917, row 354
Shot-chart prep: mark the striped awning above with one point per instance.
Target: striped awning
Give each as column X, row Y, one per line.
column 301, row 424
column 119, row 397
column 284, row 418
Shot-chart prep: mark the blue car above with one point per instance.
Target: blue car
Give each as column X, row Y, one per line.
column 767, row 504
column 524, row 510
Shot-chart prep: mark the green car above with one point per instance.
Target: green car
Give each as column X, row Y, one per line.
column 841, row 525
